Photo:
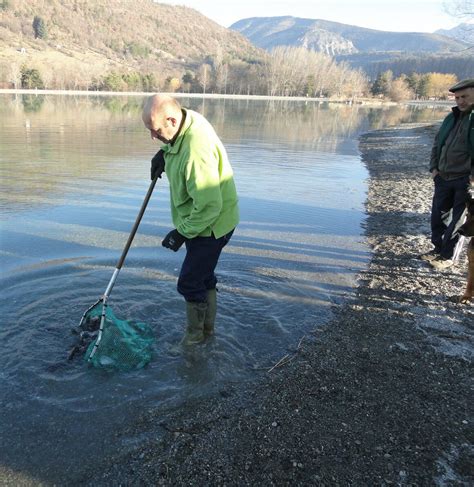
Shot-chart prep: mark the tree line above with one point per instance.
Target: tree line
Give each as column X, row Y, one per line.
column 279, row 75
column 413, row 86
column 285, row 71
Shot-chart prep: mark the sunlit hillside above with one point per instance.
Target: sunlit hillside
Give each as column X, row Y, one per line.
column 71, row 42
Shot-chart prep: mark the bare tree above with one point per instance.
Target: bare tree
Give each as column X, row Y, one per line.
column 438, row 84
column 462, row 9
column 221, row 69
column 47, row 77
column 287, row 70
column 400, row 91
column 236, row 70
column 15, row 74
column 203, row 76
column 296, row 71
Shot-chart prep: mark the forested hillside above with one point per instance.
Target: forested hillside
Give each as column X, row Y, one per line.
column 460, row 64
column 76, row 43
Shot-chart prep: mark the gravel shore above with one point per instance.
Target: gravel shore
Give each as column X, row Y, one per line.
column 381, row 395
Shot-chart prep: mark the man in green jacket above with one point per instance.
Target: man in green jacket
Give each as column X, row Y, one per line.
column 452, row 170
column 204, row 203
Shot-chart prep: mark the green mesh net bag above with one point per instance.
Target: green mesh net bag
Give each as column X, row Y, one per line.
column 117, row 344
column 122, row 345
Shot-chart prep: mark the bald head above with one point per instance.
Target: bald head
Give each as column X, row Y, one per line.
column 162, row 117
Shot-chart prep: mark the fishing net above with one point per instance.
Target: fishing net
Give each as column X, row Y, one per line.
column 117, row 344
column 123, row 345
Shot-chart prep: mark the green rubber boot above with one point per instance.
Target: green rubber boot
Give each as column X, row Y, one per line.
column 195, row 314
column 211, row 312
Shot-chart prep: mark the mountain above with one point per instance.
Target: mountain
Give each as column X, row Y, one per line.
column 371, row 50
column 88, row 38
column 462, row 32
column 335, row 38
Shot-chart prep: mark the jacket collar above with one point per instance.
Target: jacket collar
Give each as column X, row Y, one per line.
column 457, row 113
column 174, row 147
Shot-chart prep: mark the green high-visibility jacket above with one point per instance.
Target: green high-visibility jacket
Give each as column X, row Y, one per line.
column 202, row 190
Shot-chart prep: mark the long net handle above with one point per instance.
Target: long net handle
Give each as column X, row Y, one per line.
column 137, row 222
column 101, row 328
column 118, row 267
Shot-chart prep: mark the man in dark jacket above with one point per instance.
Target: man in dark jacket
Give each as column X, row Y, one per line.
column 452, row 170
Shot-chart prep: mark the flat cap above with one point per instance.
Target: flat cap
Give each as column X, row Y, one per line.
column 461, row 85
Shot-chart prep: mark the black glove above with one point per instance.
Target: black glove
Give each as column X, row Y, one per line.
column 157, row 165
column 173, row 240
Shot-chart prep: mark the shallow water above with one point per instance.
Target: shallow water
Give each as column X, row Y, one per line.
column 74, row 172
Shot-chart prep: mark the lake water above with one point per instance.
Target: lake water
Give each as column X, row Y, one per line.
column 74, row 171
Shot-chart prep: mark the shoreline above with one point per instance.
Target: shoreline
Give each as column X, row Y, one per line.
column 381, row 395
column 359, row 101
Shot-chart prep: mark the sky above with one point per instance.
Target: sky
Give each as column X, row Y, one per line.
column 389, row 15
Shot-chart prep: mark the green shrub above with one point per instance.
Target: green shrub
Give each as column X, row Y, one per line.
column 137, row 50
column 5, row 5
column 31, row 79
column 113, row 82
column 39, row 26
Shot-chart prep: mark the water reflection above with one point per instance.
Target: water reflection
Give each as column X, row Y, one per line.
column 52, row 140
column 32, row 103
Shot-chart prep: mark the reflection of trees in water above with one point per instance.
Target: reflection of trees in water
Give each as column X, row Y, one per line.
column 384, row 117
column 283, row 120
column 96, row 138
column 32, row 103
column 320, row 125
column 45, row 150
column 121, row 105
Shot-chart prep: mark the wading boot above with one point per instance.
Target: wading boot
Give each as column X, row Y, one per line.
column 195, row 314
column 211, row 311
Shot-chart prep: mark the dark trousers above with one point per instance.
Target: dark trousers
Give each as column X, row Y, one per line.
column 197, row 272
column 449, row 204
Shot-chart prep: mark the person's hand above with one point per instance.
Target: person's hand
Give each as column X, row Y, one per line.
column 434, row 173
column 157, row 165
column 173, row 240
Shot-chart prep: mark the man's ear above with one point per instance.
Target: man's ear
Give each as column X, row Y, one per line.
column 173, row 121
